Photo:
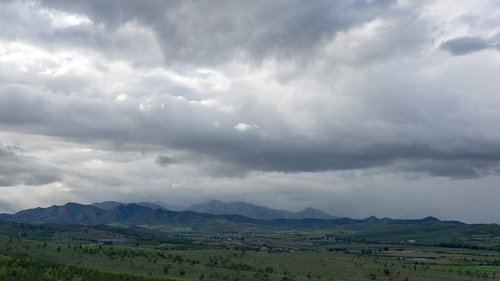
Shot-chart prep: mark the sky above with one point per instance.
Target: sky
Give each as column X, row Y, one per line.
column 388, row 108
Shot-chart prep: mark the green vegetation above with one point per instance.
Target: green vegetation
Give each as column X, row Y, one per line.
column 27, row 268
column 76, row 252
column 209, row 256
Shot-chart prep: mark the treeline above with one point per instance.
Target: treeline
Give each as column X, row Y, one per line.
column 19, row 268
column 466, row 246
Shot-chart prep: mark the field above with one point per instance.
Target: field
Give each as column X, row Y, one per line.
column 108, row 253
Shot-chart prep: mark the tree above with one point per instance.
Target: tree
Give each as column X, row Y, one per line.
column 387, row 272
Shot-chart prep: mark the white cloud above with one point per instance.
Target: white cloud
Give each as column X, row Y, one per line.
column 243, row 127
column 121, row 97
column 64, row 20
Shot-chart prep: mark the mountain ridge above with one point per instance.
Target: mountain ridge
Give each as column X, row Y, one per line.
column 110, row 205
column 217, row 207
column 134, row 214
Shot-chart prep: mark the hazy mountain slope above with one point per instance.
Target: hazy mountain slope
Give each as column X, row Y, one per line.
column 110, row 205
column 151, row 205
column 168, row 206
column 217, row 207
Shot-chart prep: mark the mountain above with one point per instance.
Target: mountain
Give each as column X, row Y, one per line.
column 217, row 207
column 312, row 213
column 163, row 205
column 74, row 213
column 134, row 214
column 129, row 214
column 429, row 230
column 109, row 205
column 69, row 213
column 376, row 220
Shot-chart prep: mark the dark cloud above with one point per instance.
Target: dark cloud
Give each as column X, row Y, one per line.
column 457, row 169
column 165, row 161
column 291, row 157
column 465, row 45
column 191, row 32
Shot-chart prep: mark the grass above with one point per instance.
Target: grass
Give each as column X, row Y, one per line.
column 191, row 253
column 146, row 261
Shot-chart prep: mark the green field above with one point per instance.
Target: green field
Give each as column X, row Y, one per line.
column 58, row 252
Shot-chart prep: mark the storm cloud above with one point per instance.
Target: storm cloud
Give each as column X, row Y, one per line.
column 303, row 101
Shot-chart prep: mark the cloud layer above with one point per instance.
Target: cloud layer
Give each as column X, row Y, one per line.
column 153, row 98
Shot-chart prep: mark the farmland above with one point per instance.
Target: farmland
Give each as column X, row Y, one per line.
column 73, row 252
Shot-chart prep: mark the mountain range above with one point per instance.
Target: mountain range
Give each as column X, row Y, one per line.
column 429, row 230
column 135, row 214
column 130, row 214
column 216, row 207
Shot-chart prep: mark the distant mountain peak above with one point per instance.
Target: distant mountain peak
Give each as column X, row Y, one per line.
column 371, row 219
column 430, row 218
column 310, row 212
column 70, row 204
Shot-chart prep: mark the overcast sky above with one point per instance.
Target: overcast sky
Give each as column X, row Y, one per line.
column 387, row 108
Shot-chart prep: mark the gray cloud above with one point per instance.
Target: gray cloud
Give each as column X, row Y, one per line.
column 211, row 33
column 103, row 95
column 269, row 147
column 165, row 161
column 465, row 45
column 34, row 111
column 457, row 169
column 16, row 169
